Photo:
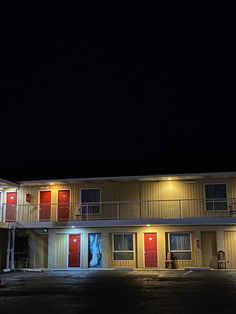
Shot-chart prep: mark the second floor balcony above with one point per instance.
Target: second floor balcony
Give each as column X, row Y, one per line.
column 121, row 210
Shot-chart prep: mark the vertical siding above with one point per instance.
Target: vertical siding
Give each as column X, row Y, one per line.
column 159, row 198
column 129, row 191
column 230, row 252
column 165, row 196
column 41, row 251
column 149, row 191
column 61, row 247
column 122, row 191
column 231, row 187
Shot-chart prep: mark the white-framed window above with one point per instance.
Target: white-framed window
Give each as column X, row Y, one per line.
column 216, row 196
column 90, row 200
column 180, row 246
column 123, row 246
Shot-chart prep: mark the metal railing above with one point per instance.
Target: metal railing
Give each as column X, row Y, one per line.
column 120, row 210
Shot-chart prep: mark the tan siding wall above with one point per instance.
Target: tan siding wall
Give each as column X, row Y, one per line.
column 41, row 251
column 115, row 191
column 61, row 244
column 231, row 186
column 133, row 191
column 149, row 191
column 168, row 192
column 230, row 245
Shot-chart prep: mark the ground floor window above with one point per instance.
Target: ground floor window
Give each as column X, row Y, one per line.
column 123, row 246
column 180, row 246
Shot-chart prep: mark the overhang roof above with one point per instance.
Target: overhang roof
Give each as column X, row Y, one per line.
column 7, row 184
column 188, row 177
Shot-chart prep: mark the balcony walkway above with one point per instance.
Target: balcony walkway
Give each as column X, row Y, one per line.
column 184, row 211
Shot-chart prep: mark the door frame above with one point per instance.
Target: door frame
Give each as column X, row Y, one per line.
column 150, row 232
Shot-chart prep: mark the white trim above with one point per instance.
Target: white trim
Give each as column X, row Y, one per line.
column 68, row 189
column 39, row 191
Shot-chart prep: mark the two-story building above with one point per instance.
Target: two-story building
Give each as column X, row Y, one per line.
column 143, row 222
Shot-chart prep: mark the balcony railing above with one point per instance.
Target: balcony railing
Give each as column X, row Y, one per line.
column 152, row 209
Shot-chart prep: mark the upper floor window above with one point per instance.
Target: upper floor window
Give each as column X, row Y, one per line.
column 90, row 199
column 216, row 196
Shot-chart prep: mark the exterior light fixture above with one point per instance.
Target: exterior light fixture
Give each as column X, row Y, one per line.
column 147, row 225
column 73, row 227
column 45, row 230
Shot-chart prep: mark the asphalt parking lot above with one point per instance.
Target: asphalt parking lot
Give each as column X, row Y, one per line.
column 109, row 291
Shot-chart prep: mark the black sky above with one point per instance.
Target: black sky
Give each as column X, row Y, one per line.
column 101, row 89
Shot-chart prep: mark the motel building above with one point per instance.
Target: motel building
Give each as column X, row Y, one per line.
column 137, row 222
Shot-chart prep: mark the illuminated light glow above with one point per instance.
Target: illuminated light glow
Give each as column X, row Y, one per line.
column 147, row 225
column 73, row 227
column 169, row 179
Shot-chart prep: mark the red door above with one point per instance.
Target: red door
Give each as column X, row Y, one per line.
column 150, row 249
column 74, row 250
column 45, row 206
column 63, row 204
column 10, row 206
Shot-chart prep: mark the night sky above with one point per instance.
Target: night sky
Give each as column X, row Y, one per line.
column 102, row 90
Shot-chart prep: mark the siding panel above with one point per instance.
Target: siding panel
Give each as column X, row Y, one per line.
column 230, row 252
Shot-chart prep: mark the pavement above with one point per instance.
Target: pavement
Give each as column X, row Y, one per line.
column 118, row 291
